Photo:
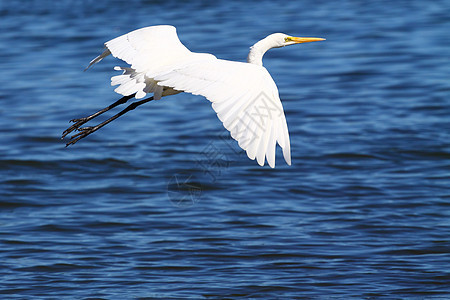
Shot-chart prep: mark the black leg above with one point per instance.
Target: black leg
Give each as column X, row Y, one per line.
column 85, row 131
column 81, row 121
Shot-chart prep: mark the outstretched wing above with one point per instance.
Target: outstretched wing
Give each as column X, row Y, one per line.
column 243, row 95
column 245, row 98
column 149, row 51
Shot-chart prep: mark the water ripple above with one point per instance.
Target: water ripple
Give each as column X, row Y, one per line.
column 139, row 210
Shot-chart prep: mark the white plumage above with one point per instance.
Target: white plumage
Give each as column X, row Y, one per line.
column 243, row 95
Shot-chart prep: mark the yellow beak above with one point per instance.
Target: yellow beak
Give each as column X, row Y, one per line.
column 299, row 40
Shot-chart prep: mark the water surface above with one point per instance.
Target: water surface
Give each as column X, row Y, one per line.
column 363, row 211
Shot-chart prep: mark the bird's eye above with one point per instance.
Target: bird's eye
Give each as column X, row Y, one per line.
column 287, row 39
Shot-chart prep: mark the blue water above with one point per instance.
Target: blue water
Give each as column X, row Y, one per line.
column 161, row 204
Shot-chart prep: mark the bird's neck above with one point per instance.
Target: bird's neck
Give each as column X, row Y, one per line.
column 257, row 51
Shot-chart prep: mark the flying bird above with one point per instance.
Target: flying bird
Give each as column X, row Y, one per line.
column 243, row 95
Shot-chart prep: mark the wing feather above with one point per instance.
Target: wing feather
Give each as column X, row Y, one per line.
column 245, row 98
column 149, row 51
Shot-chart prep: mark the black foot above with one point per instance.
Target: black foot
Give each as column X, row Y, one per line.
column 76, row 126
column 84, row 132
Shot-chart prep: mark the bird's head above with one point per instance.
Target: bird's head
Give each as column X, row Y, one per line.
column 280, row 40
column 275, row 40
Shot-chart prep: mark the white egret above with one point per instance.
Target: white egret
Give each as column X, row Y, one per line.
column 243, row 95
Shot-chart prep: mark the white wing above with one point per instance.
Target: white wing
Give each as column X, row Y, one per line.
column 243, row 95
column 245, row 98
column 149, row 51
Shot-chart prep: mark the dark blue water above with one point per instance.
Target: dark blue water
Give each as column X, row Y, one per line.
column 161, row 204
